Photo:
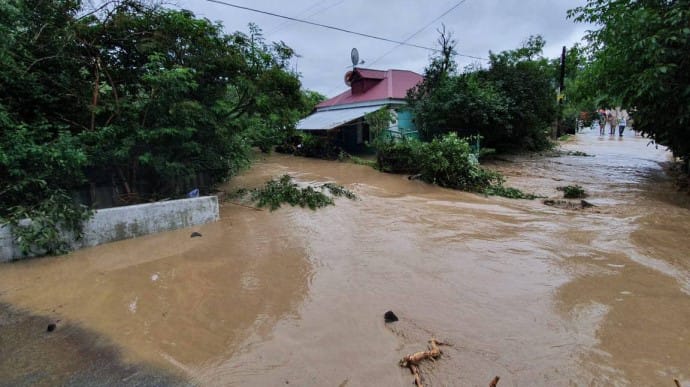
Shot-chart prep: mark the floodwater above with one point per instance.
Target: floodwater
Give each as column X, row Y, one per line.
column 536, row 294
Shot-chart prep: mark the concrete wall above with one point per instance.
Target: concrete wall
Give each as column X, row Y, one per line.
column 114, row 224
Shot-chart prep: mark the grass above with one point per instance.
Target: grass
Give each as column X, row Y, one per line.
column 361, row 161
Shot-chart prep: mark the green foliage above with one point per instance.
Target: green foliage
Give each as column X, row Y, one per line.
column 49, row 226
column 525, row 78
column 378, row 121
column 361, row 161
column 511, row 104
column 573, row 192
column 277, row 192
column 447, row 161
column 398, row 156
column 37, row 169
column 310, row 99
column 307, row 145
column 509, row 192
column 133, row 96
column 638, row 54
column 338, row 191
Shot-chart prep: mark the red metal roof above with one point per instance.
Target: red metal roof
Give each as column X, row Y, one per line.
column 375, row 85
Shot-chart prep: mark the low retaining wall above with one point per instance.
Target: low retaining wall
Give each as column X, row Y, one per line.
column 117, row 223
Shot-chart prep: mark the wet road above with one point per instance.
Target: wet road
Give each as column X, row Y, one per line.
column 538, row 295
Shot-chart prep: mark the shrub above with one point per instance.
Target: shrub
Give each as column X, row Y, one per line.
column 284, row 190
column 573, row 192
column 398, row 156
column 307, row 145
column 449, row 162
column 509, row 192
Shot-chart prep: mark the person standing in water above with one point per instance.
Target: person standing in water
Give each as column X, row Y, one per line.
column 611, row 120
column 621, row 126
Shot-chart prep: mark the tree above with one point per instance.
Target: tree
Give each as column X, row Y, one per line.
column 130, row 95
column 511, row 104
column 639, row 60
column 41, row 159
column 526, row 79
column 310, row 99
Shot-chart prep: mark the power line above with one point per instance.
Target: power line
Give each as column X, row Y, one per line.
column 283, row 24
column 322, row 25
column 459, row 3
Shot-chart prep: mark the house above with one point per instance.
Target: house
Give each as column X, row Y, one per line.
column 341, row 118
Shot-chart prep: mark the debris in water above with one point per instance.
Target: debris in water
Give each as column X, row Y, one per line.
column 586, row 204
column 390, row 317
column 412, row 361
column 51, row 327
column 568, row 205
column 494, row 382
column 133, row 305
column 195, row 234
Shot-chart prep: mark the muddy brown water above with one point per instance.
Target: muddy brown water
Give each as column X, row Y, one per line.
column 535, row 294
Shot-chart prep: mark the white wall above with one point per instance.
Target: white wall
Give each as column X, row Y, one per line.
column 114, row 224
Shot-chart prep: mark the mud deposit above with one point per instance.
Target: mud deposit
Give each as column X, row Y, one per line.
column 67, row 355
column 537, row 294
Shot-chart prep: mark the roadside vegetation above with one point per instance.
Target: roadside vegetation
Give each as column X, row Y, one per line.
column 511, row 103
column 573, row 192
column 637, row 58
column 150, row 103
column 447, row 161
column 145, row 101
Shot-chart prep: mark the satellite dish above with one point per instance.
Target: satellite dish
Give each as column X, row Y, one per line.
column 354, row 55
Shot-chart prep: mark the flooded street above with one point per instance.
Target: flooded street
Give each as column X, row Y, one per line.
column 538, row 295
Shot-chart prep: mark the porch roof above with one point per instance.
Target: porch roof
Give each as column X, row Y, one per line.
column 329, row 119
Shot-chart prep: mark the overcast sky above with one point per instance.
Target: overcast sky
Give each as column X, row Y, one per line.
column 478, row 26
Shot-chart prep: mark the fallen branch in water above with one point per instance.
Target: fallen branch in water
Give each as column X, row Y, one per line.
column 412, row 361
column 244, row 205
column 494, row 382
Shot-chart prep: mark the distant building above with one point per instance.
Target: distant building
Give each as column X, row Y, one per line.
column 341, row 118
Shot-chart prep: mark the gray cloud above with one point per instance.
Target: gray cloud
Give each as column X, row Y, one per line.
column 479, row 26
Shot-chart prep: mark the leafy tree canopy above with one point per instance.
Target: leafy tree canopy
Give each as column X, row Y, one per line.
column 143, row 99
column 511, row 104
column 639, row 60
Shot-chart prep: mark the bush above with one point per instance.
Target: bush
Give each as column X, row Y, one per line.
column 398, row 156
column 573, row 192
column 447, row 161
column 284, row 190
column 307, row 145
column 509, row 192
